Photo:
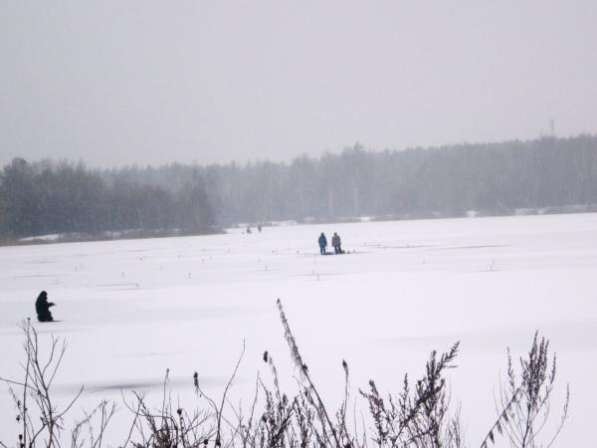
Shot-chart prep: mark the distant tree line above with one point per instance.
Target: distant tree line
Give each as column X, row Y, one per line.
column 496, row 178
column 45, row 198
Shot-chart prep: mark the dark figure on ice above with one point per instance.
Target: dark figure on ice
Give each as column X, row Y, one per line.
column 337, row 243
column 42, row 308
column 323, row 242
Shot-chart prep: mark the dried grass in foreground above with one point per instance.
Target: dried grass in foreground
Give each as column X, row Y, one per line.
column 419, row 416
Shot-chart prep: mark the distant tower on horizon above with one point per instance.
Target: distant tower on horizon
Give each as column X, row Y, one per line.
column 552, row 127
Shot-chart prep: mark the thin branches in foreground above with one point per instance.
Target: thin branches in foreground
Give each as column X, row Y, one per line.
column 418, row 416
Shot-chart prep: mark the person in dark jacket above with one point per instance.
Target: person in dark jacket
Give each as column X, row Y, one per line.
column 337, row 243
column 42, row 308
column 323, row 242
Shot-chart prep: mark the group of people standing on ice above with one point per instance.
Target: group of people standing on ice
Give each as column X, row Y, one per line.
column 336, row 244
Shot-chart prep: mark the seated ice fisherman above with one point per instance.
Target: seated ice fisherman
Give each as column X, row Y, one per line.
column 42, row 308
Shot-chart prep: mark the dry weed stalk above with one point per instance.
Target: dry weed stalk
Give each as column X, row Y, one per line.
column 525, row 400
column 40, row 420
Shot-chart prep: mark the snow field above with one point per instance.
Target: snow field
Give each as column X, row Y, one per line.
column 131, row 309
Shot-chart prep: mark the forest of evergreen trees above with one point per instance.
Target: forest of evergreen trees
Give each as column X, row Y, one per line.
column 492, row 179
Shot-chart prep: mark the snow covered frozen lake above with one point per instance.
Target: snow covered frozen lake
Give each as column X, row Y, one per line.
column 130, row 309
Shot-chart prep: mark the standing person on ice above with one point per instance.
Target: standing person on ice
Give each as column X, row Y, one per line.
column 337, row 243
column 42, row 308
column 323, row 242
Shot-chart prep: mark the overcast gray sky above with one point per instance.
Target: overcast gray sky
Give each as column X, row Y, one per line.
column 118, row 82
